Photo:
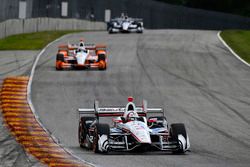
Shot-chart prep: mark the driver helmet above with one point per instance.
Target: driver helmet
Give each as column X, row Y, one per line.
column 131, row 116
column 81, row 46
column 126, row 18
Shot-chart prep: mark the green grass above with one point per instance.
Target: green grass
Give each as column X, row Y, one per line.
column 31, row 41
column 239, row 41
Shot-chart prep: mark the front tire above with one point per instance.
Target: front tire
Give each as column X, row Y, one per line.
column 139, row 31
column 100, row 129
column 175, row 130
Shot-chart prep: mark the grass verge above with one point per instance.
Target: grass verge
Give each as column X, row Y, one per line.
column 239, row 41
column 31, row 41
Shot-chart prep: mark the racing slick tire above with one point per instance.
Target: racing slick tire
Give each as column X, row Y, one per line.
column 59, row 60
column 100, row 129
column 110, row 30
column 139, row 31
column 175, row 130
column 102, row 62
column 83, row 127
column 139, row 28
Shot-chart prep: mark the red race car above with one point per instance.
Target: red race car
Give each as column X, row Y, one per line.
column 81, row 56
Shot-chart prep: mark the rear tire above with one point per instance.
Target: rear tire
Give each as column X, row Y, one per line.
column 60, row 57
column 102, row 62
column 83, row 130
column 80, row 136
column 100, row 129
column 101, row 57
column 59, row 60
column 175, row 130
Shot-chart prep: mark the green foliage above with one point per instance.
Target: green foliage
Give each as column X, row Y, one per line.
column 239, row 41
column 30, row 41
column 240, row 7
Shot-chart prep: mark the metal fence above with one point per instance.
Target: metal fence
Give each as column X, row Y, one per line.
column 155, row 14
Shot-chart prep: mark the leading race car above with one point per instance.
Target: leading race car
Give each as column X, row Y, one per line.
column 125, row 24
column 81, row 56
column 131, row 129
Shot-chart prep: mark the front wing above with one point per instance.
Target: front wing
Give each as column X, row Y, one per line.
column 121, row 141
column 65, row 65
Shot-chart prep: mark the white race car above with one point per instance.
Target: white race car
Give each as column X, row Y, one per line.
column 131, row 129
column 125, row 24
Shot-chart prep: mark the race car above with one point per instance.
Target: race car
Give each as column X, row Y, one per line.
column 131, row 129
column 81, row 56
column 125, row 24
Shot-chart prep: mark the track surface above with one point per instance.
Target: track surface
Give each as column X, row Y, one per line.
column 189, row 73
column 13, row 63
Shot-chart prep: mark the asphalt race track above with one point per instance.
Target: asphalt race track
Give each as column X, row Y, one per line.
column 189, row 73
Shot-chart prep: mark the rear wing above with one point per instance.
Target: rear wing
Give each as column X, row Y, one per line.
column 116, row 111
column 88, row 46
column 129, row 19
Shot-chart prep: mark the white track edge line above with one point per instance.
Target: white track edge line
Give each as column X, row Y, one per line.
column 231, row 50
column 32, row 106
